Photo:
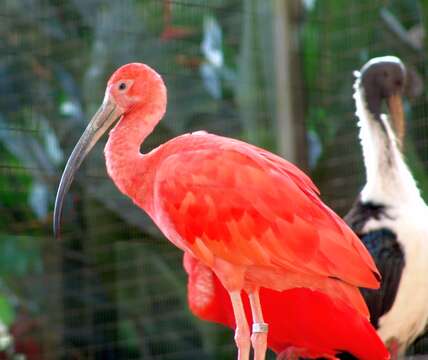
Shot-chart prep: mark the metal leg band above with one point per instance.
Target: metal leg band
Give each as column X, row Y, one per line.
column 260, row 328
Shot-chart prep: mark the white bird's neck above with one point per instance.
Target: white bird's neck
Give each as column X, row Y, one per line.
column 388, row 177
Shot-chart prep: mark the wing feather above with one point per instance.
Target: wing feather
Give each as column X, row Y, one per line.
column 236, row 200
column 389, row 257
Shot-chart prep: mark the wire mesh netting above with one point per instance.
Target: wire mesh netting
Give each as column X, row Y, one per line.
column 113, row 287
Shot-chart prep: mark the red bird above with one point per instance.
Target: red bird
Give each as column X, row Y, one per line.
column 302, row 322
column 252, row 217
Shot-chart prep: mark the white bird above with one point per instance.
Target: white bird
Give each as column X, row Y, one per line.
column 390, row 215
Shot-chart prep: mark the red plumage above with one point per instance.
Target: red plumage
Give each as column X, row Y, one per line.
column 220, row 198
column 298, row 318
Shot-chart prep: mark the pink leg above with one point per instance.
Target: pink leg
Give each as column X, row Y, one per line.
column 242, row 333
column 260, row 328
column 394, row 348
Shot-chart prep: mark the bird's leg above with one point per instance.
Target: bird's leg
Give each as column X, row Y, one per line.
column 260, row 328
column 242, row 332
column 394, row 348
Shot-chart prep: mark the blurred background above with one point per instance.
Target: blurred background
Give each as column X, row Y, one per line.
column 277, row 73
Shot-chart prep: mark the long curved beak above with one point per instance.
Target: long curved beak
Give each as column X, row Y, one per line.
column 395, row 105
column 106, row 115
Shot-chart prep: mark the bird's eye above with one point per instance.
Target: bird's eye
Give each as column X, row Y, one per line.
column 122, row 86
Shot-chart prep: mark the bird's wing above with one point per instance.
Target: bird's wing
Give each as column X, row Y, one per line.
column 389, row 259
column 238, row 204
column 299, row 177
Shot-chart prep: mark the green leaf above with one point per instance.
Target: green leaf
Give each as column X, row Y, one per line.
column 7, row 312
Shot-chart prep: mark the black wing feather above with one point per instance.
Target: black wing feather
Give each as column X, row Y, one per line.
column 389, row 258
column 361, row 212
column 386, row 252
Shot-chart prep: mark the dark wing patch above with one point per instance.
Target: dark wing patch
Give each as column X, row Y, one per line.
column 389, row 258
column 361, row 212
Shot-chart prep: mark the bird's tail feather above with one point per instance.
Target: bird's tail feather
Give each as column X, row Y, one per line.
column 349, row 294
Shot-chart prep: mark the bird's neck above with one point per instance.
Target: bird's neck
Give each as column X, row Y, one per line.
column 126, row 165
column 388, row 176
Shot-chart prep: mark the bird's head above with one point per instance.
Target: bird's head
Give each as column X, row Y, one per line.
column 386, row 75
column 131, row 87
column 134, row 85
column 383, row 79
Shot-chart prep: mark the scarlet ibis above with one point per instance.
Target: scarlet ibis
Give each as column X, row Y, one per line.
column 389, row 215
column 255, row 219
column 302, row 322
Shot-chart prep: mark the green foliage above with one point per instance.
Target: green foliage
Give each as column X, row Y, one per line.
column 13, row 186
column 19, row 255
column 7, row 312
